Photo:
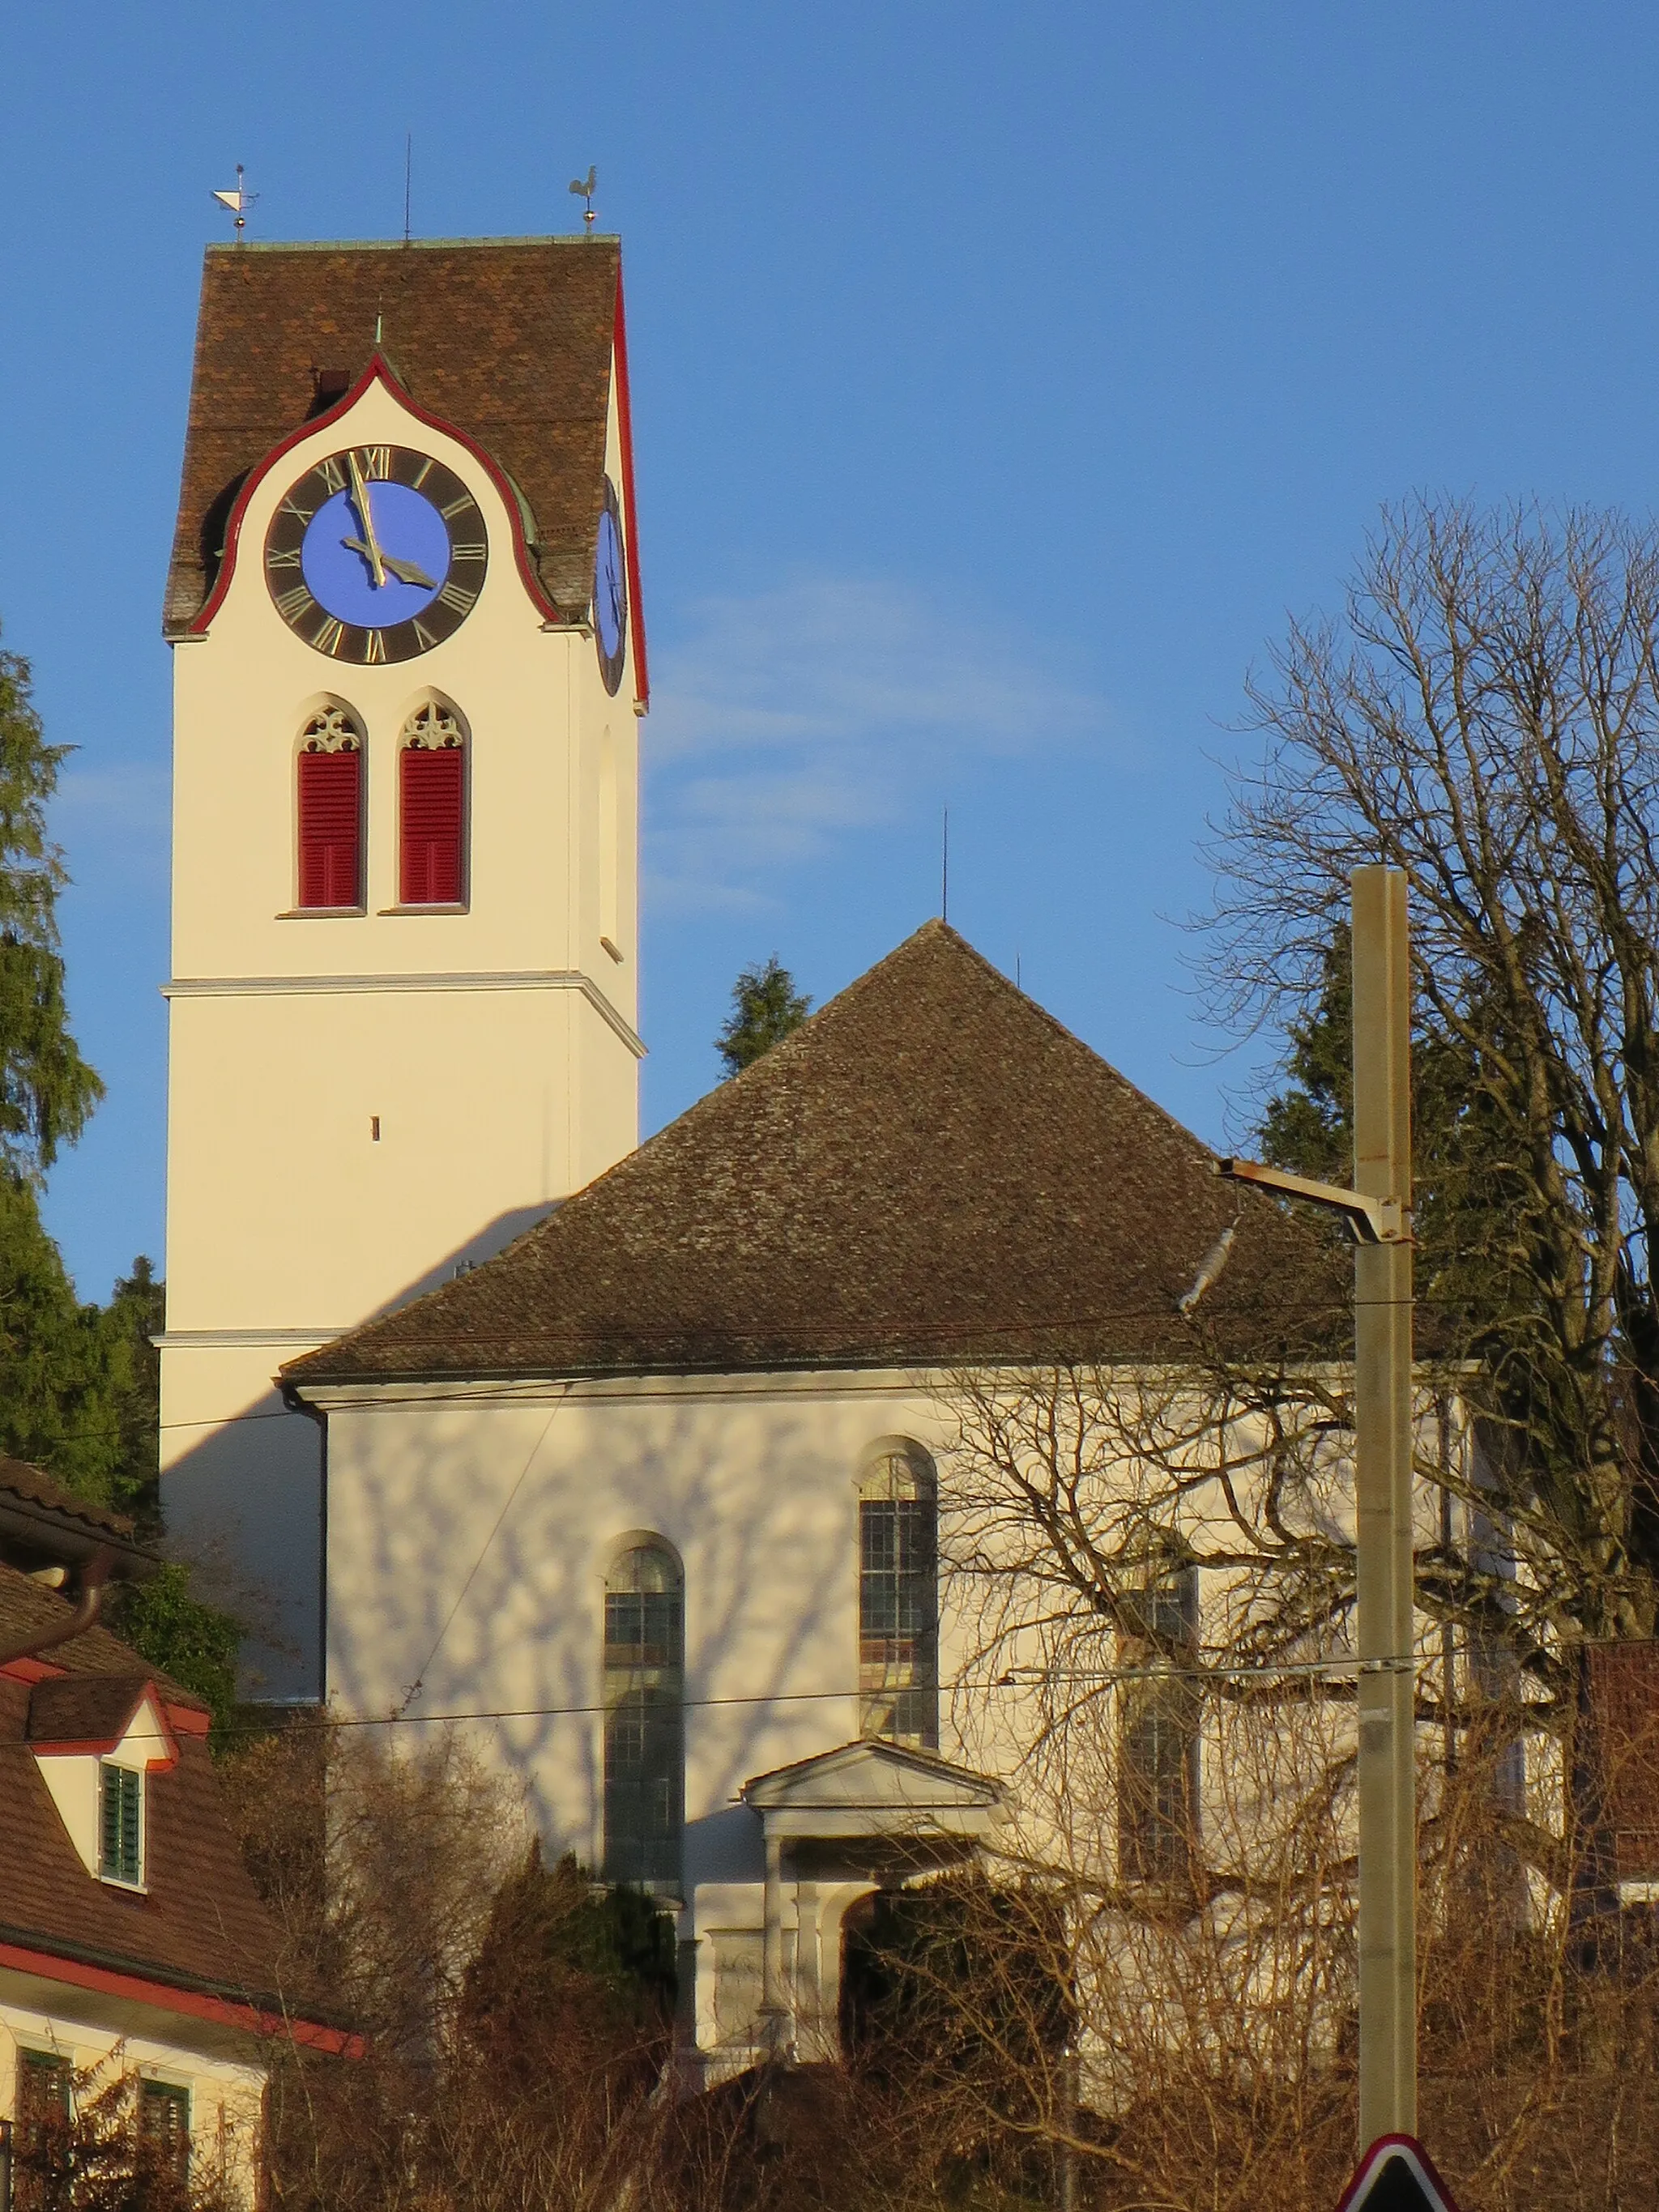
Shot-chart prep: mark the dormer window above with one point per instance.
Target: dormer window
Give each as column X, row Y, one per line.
column 121, row 1824
column 96, row 1739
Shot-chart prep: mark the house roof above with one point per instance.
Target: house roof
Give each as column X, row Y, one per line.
column 28, row 1606
column 199, row 1923
column 40, row 1522
column 509, row 340
column 930, row 1171
column 85, row 1709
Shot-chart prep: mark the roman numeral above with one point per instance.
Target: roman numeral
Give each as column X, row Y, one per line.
column 332, row 473
column 327, row 635
column 282, row 556
column 423, row 636
column 459, row 601
column 422, row 473
column 474, row 551
column 291, row 505
column 457, row 506
column 293, row 603
column 373, row 647
column 376, row 462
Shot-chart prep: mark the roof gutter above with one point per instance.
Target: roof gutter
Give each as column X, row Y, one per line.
column 88, row 1604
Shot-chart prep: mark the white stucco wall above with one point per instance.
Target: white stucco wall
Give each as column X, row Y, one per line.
column 469, row 1537
column 495, row 1046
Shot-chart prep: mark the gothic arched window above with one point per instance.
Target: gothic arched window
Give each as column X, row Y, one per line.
column 329, row 812
column 432, row 809
column 644, row 1715
column 898, row 1598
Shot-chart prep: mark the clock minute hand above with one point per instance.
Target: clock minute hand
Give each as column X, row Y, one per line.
column 365, row 516
column 406, row 572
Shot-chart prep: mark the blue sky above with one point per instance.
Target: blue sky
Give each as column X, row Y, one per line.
column 1002, row 378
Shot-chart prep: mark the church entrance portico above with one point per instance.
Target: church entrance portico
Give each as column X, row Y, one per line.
column 836, row 1828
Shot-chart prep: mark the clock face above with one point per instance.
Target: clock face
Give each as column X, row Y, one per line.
column 377, row 554
column 611, row 592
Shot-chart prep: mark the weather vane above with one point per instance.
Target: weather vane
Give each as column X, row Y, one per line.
column 583, row 188
column 238, row 203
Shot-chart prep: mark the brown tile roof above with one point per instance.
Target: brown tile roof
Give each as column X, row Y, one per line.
column 930, row 1170
column 19, row 1479
column 200, row 1924
column 84, row 1708
column 27, row 1606
column 508, row 339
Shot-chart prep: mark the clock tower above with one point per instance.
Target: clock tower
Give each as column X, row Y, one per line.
column 409, row 662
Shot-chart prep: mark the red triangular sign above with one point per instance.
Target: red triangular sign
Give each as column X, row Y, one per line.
column 1396, row 2175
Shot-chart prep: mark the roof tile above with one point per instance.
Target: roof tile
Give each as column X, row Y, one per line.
column 508, row 339
column 929, row 1171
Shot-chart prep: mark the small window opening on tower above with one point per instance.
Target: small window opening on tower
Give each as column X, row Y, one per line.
column 329, row 387
column 373, row 1128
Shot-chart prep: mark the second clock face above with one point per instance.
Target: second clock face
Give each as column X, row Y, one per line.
column 377, row 553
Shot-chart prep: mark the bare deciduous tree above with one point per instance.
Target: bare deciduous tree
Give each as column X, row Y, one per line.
column 1484, row 716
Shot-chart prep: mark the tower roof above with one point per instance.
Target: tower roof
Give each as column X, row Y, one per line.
column 508, row 339
column 930, row 1171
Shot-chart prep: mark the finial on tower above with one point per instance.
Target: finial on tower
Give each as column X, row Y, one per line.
column 583, row 188
column 238, row 203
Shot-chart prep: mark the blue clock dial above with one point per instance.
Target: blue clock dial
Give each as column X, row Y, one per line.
column 377, row 553
column 338, row 557
column 611, row 592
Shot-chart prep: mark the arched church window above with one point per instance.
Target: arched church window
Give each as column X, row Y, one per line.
column 1160, row 1718
column 644, row 1716
column 898, row 1598
column 432, row 808
column 329, row 812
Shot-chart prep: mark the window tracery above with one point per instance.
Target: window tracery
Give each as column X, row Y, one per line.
column 329, row 810
column 432, row 807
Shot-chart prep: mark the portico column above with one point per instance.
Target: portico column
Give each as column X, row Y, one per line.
column 774, row 2009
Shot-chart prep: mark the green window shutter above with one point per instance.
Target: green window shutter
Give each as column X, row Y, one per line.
column 164, row 2124
column 121, row 1855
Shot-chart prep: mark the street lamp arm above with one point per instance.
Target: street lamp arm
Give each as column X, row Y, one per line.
column 1373, row 1220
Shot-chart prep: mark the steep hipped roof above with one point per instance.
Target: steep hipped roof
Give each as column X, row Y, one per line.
column 929, row 1171
column 508, row 339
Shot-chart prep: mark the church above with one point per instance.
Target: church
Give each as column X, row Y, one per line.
column 627, row 1457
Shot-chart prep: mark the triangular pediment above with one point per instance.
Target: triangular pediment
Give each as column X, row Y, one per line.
column 874, row 1776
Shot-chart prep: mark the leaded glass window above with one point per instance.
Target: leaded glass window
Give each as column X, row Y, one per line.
column 1161, row 1712
column 898, row 1601
column 644, row 1717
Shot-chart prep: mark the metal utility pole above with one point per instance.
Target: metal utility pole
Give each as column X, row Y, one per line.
column 1383, row 1563
column 1378, row 1210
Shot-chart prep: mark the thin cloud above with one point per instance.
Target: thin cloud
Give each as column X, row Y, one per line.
column 827, row 706
column 114, row 824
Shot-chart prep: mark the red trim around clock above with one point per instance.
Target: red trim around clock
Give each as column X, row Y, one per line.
column 378, row 368
column 625, row 430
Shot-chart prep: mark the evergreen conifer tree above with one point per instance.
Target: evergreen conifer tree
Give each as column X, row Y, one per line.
column 765, row 1007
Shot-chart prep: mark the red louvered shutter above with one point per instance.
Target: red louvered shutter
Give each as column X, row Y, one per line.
column 331, row 815
column 430, row 791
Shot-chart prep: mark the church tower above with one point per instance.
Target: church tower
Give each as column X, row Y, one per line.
column 404, row 603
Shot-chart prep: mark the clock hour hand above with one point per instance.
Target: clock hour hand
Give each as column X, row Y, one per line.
column 406, row 572
column 369, row 543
